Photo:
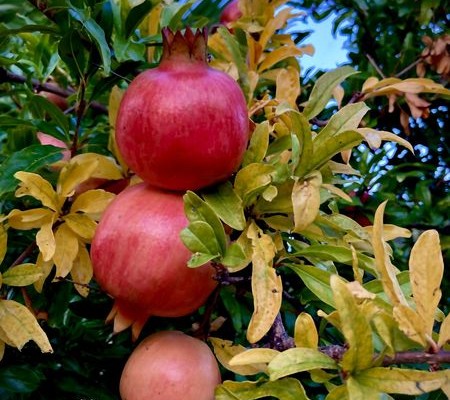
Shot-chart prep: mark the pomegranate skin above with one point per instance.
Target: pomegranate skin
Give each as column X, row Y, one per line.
column 170, row 365
column 230, row 13
column 139, row 259
column 183, row 125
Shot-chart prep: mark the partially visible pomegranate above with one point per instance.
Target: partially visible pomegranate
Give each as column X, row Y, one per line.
column 230, row 13
column 183, row 125
column 56, row 99
column 47, row 139
column 140, row 260
column 170, row 365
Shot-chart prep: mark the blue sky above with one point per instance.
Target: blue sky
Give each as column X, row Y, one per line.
column 329, row 49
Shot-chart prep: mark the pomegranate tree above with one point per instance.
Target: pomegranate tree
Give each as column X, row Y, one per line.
column 183, row 125
column 140, row 260
column 170, row 365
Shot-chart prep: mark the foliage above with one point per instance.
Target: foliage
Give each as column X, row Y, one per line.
column 313, row 301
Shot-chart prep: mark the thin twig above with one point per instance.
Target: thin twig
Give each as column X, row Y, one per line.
column 375, row 65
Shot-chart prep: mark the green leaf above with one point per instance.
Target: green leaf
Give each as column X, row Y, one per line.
column 97, row 34
column 302, row 129
column 355, row 327
column 20, row 378
column 235, row 256
column 199, row 238
column 322, row 90
column 51, row 29
column 29, row 159
column 316, row 280
column 40, row 106
column 172, row 14
column 227, row 205
column 198, row 210
column 136, row 16
column 22, row 275
column 358, row 391
column 284, row 389
column 299, row 359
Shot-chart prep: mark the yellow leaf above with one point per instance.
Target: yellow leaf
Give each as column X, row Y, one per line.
column 225, row 351
column 92, row 203
column 36, row 186
column 410, row 323
column 426, row 267
column 288, row 86
column 29, row 219
column 45, row 267
column 358, row 391
column 66, row 250
column 412, row 85
column 254, row 356
column 22, row 275
column 374, row 137
column 81, row 271
column 306, row 200
column 74, row 173
column 266, row 285
column 402, row 380
column 82, row 225
column 383, row 262
column 338, row 192
column 354, row 326
column 3, row 242
column 338, row 94
column 45, row 238
column 18, row 326
column 369, row 84
column 278, row 55
column 305, row 332
column 444, row 332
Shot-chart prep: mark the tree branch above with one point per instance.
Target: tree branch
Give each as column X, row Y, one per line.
column 6, row 76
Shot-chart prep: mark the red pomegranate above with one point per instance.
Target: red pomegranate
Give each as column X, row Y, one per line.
column 170, row 365
column 140, row 260
column 230, row 13
column 183, row 125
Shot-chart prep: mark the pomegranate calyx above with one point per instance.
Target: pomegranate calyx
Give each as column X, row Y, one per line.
column 190, row 45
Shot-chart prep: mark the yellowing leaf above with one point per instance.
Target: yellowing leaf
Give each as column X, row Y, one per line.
column 374, row 137
column 403, row 380
column 92, row 203
column 411, row 85
column 115, row 97
column 266, row 285
column 382, row 260
column 305, row 332
column 2, row 349
column 22, row 275
column 285, row 389
column 36, row 186
column 273, row 24
column 444, row 332
column 45, row 238
column 252, row 180
column 82, row 225
column 306, row 200
column 45, row 267
column 369, row 84
column 410, row 323
column 3, row 242
column 278, row 55
column 357, row 391
column 355, row 327
column 82, row 271
column 18, row 326
column 426, row 267
column 225, row 351
column 106, row 167
column 254, row 356
column 66, row 250
column 288, row 86
column 29, row 219
column 74, row 173
column 298, row 359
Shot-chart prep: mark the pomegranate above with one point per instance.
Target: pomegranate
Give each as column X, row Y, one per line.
column 170, row 365
column 47, row 139
column 230, row 13
column 140, row 260
column 183, row 125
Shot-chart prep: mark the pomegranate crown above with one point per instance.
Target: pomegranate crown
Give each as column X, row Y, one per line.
column 191, row 45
